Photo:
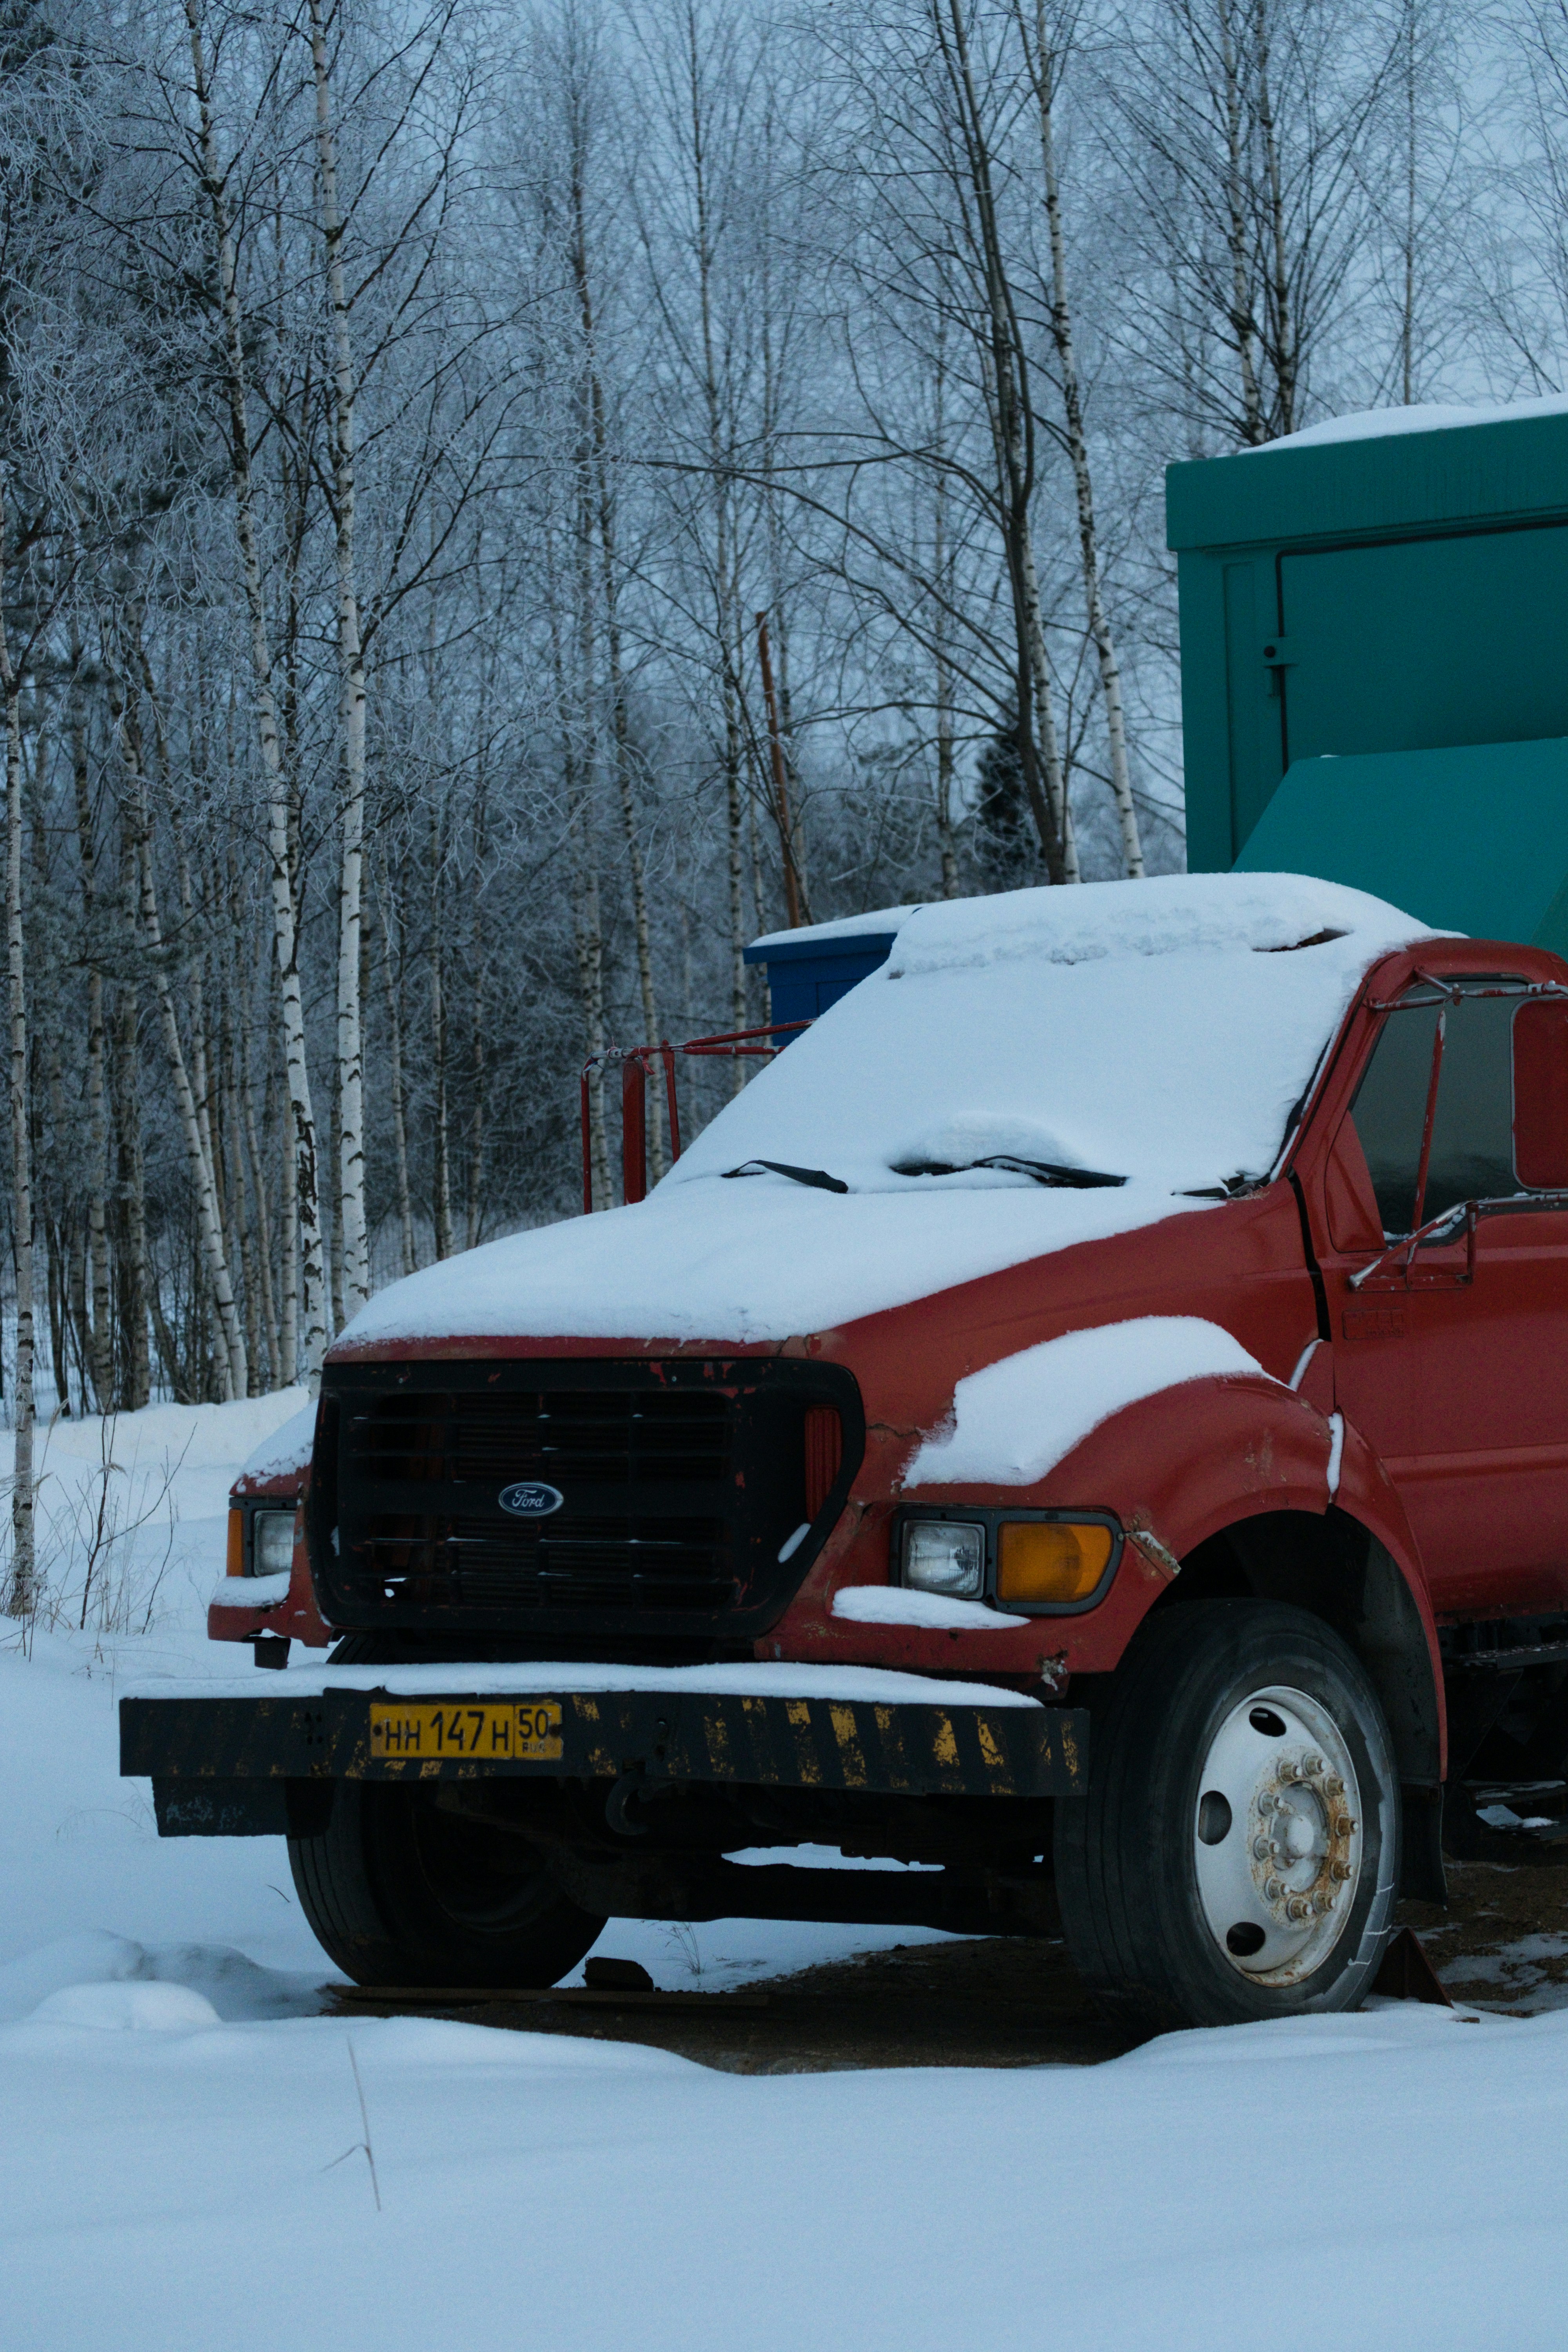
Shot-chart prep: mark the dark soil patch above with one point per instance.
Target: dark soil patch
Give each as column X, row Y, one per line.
column 987, row 2001
column 1502, row 1944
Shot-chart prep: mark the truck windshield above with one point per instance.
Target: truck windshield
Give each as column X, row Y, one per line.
column 1176, row 1056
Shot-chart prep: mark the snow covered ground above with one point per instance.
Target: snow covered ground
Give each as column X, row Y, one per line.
column 183, row 2161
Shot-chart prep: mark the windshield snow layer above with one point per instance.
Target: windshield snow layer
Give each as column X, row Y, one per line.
column 1150, row 1028
column 1163, row 1030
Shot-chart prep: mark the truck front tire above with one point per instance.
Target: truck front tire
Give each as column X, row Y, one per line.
column 1236, row 1855
column 399, row 1892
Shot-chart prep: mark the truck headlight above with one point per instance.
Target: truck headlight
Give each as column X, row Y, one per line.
column 946, row 1555
column 271, row 1542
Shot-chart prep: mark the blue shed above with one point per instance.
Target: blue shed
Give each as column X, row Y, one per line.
column 810, row 968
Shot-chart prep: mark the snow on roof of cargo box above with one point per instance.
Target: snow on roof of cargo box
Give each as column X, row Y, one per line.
column 1147, row 1039
column 1436, row 416
column 876, row 924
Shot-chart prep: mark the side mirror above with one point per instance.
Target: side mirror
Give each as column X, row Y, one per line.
column 1540, row 1095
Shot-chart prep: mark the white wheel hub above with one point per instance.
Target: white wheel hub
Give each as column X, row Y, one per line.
column 1277, row 1836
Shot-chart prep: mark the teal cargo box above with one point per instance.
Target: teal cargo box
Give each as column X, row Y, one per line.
column 1374, row 664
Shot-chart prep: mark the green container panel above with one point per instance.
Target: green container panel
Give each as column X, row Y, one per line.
column 1395, row 594
column 1473, row 839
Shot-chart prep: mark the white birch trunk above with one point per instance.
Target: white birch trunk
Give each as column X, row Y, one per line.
column 391, row 979
column 99, row 1360
column 1243, row 325
column 351, row 662
column 1045, row 707
column 134, row 1374
column 1042, row 66
column 289, row 1246
column 240, row 1221
column 23, row 1593
column 1284, row 353
column 280, row 1376
column 284, row 912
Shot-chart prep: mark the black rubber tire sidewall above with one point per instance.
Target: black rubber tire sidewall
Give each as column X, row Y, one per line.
column 1124, row 1858
column 370, row 1884
column 366, row 1885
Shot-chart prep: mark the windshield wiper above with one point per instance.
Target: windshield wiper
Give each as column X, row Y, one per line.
column 1232, row 1186
column 817, row 1177
column 1043, row 1172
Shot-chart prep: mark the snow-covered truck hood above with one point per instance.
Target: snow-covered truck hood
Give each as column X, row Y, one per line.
column 1165, row 1032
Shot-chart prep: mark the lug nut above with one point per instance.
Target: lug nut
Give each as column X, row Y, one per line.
column 1274, row 1888
column 1266, row 1802
column 1297, row 1907
column 1343, row 1825
column 1339, row 1870
column 1313, row 1764
column 1262, row 1848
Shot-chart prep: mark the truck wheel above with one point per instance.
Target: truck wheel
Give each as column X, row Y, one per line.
column 401, row 1894
column 1237, row 1853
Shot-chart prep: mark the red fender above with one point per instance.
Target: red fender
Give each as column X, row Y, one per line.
column 1176, row 1467
column 296, row 1615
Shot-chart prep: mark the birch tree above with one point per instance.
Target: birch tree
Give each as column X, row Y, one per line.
column 351, row 659
column 1240, row 127
column 23, row 1588
column 286, row 926
column 1045, row 46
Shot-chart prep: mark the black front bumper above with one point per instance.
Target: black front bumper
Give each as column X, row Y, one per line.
column 233, row 1767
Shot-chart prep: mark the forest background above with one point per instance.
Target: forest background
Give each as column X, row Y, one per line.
column 411, row 418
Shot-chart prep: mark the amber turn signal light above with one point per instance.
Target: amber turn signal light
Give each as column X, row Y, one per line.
column 235, row 1563
column 1050, row 1559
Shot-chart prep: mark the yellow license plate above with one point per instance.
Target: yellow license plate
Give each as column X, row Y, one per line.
column 484, row 1732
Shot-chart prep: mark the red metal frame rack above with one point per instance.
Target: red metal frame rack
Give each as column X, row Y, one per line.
column 636, row 1062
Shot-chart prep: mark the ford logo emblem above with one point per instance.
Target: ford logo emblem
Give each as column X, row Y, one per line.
column 530, row 1499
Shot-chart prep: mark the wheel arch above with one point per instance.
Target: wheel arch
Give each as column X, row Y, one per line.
column 1238, row 1478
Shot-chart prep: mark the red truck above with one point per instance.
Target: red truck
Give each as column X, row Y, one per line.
column 1090, row 1417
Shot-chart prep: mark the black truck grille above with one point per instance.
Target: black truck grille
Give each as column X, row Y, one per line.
column 605, row 1437
column 679, row 1483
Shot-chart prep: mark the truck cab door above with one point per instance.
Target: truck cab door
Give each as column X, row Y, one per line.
column 1449, row 1352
